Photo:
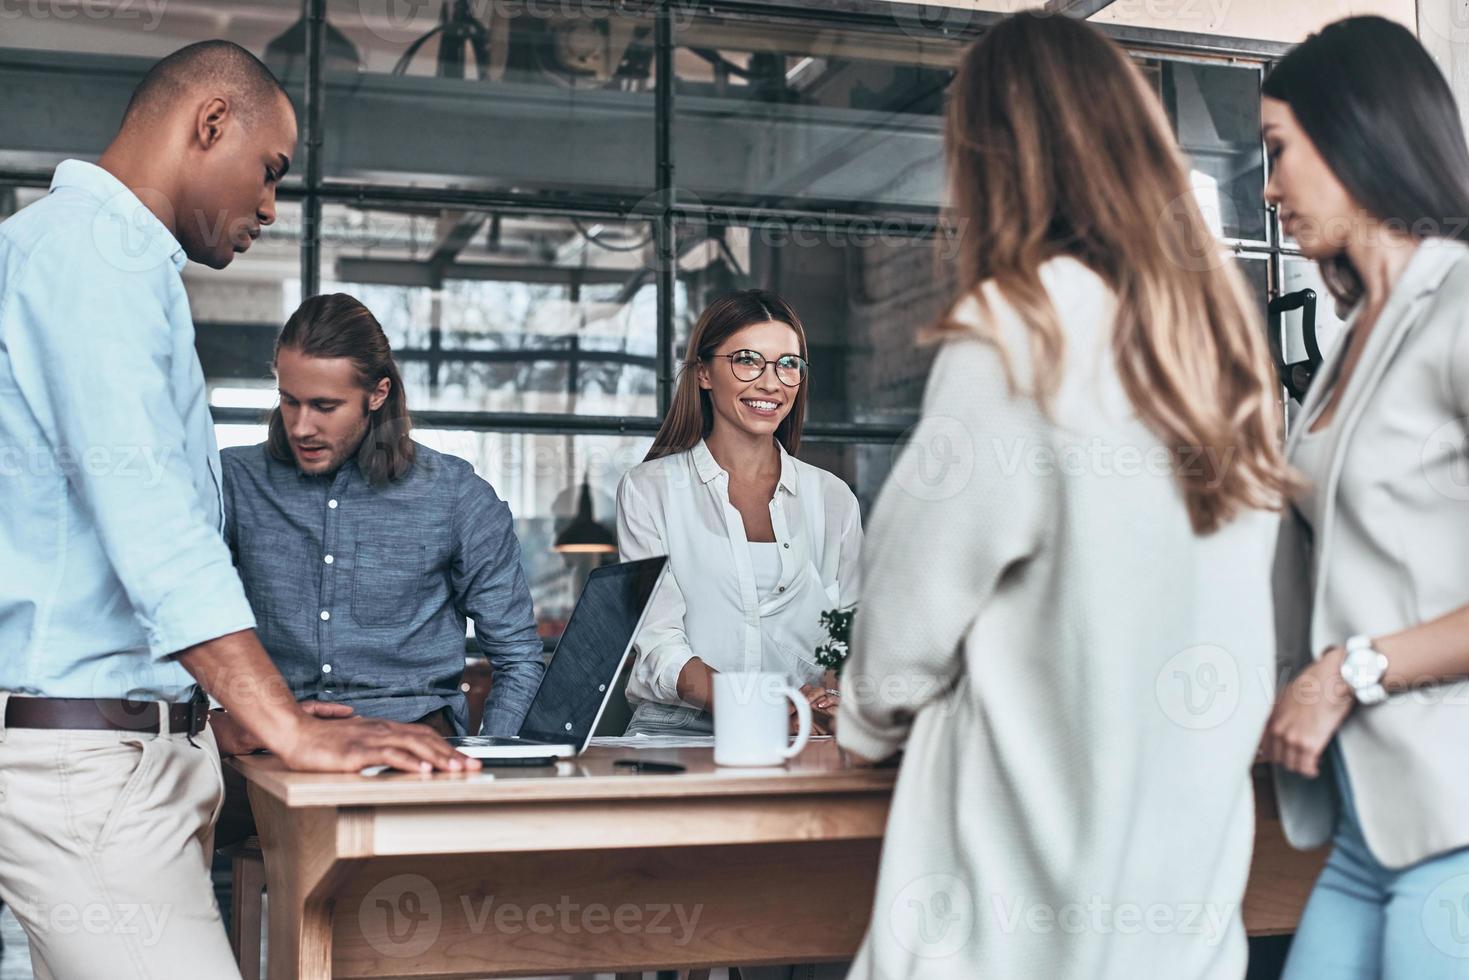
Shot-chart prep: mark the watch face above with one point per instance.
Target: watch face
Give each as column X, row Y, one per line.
column 1363, row 668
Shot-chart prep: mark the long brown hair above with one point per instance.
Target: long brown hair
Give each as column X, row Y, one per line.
column 691, row 415
column 1056, row 146
column 338, row 325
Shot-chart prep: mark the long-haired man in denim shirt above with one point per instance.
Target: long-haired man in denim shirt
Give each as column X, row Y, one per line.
column 363, row 552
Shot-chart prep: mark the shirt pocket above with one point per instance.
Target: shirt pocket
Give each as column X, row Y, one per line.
column 275, row 572
column 387, row 582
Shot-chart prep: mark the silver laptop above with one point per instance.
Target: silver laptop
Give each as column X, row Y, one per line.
column 584, row 669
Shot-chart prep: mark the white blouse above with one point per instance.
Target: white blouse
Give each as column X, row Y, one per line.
column 709, row 604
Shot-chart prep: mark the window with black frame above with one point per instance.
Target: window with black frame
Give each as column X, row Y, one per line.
column 780, row 117
column 489, row 189
column 551, row 99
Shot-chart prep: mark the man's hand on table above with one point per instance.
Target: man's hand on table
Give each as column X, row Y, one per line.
column 235, row 739
column 351, row 744
column 236, row 670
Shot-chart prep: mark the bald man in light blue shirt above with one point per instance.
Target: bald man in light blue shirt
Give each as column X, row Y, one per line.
column 118, row 600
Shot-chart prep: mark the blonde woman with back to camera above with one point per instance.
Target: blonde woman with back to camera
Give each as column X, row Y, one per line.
column 1069, row 807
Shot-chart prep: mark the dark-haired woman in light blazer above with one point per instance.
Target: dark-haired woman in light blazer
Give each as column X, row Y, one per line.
column 1371, row 175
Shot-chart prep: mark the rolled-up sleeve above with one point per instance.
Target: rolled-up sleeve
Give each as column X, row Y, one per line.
column 489, row 584
column 93, row 362
column 662, row 647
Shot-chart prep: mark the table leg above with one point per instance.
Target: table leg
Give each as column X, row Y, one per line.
column 307, row 855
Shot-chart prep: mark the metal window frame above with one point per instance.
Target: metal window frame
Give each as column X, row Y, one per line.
column 947, row 25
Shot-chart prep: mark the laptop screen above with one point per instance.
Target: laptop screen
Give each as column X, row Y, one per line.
column 591, row 651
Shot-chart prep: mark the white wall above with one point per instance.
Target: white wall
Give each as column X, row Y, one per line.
column 1270, row 20
column 1443, row 27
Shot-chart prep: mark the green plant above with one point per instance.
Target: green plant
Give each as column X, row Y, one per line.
column 833, row 651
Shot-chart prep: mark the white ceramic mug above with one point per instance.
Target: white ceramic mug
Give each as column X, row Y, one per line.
column 751, row 719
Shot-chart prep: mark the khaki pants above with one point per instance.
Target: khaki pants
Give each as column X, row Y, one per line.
column 104, row 845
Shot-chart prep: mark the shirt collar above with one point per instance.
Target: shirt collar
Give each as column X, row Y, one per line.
column 708, row 468
column 145, row 234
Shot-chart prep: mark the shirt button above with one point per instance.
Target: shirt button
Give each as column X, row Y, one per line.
column 332, row 504
column 786, row 545
column 781, row 589
column 328, row 559
column 326, row 668
column 325, row 615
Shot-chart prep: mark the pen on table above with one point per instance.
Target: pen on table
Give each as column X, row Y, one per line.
column 640, row 765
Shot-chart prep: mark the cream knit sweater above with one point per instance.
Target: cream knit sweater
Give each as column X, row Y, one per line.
column 1079, row 681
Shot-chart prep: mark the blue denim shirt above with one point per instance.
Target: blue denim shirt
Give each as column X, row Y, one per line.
column 361, row 592
column 111, row 557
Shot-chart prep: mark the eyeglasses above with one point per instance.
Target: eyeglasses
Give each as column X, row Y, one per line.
column 747, row 365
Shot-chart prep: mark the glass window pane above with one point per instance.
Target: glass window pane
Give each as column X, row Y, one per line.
column 13, row 198
column 864, row 466
column 239, row 311
column 67, row 68
column 509, row 97
column 788, row 116
column 1215, row 111
column 1256, row 270
column 864, row 294
column 540, row 477
column 493, row 312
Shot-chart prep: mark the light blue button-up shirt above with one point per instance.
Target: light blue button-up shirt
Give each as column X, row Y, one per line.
column 111, row 554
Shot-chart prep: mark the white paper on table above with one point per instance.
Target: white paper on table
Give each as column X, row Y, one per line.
column 655, row 741
column 665, row 741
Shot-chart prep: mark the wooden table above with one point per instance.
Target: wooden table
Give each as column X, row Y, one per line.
column 587, row 869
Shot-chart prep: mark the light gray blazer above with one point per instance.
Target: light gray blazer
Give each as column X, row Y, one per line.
column 1392, row 552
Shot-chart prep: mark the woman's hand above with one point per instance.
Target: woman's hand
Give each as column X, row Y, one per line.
column 1307, row 714
column 823, row 702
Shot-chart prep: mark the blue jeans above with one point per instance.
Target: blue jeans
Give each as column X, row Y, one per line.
column 652, row 718
column 1364, row 921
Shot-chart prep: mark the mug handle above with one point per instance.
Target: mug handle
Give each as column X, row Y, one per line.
column 803, row 712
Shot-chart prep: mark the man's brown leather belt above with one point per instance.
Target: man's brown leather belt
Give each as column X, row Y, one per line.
column 105, row 714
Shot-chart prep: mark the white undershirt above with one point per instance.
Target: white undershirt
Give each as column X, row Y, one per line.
column 765, row 557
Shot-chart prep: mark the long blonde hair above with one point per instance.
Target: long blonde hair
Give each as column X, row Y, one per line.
column 1055, row 146
column 691, row 414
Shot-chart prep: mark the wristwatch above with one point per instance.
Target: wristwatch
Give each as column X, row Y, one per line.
column 1363, row 669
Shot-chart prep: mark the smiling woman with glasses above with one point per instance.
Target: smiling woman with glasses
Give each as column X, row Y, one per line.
column 759, row 544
